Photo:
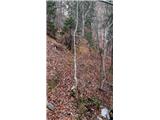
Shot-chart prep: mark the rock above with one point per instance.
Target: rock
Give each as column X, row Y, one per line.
column 105, row 113
column 50, row 106
column 99, row 118
column 111, row 114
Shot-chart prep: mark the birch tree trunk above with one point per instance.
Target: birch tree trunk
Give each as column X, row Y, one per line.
column 83, row 20
column 75, row 54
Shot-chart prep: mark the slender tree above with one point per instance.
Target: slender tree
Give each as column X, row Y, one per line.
column 108, row 22
column 75, row 54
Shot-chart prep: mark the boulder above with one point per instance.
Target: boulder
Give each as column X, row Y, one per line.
column 105, row 113
column 50, row 106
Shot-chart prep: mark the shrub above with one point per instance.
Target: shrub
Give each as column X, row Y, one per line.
column 88, row 36
column 68, row 24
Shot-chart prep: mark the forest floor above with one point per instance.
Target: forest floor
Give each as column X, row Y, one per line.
column 60, row 81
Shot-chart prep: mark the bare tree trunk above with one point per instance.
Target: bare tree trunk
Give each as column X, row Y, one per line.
column 103, row 57
column 83, row 22
column 105, row 41
column 101, row 67
column 97, row 36
column 74, row 59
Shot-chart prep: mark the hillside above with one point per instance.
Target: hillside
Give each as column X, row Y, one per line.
column 60, row 81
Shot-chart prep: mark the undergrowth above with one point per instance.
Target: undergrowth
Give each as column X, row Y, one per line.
column 85, row 106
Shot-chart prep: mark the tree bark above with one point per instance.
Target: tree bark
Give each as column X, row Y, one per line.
column 83, row 22
column 105, row 41
column 75, row 54
column 103, row 57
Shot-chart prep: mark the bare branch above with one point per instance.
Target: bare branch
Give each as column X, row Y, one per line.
column 87, row 10
column 107, row 2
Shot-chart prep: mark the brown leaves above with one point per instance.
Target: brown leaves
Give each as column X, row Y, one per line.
column 60, row 67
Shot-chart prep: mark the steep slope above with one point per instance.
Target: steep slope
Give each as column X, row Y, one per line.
column 59, row 69
column 59, row 79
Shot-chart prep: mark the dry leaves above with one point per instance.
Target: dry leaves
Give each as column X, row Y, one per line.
column 59, row 66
